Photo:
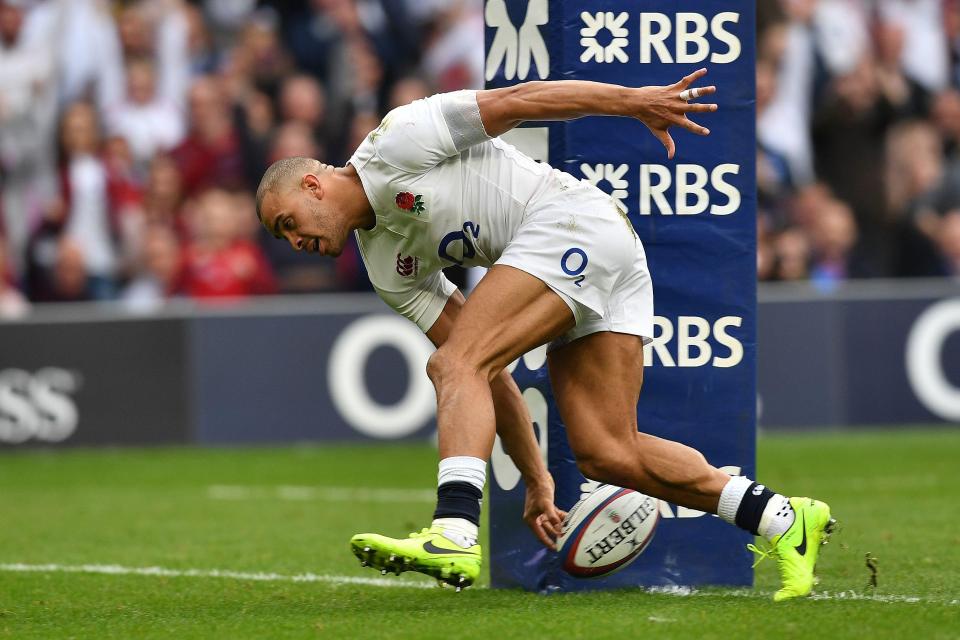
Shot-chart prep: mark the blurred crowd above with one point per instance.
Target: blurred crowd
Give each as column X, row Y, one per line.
column 133, row 134
column 858, row 127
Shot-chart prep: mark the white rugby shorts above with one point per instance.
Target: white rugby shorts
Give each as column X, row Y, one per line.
column 581, row 246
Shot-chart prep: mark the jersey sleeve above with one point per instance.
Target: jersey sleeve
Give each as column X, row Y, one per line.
column 423, row 303
column 418, row 136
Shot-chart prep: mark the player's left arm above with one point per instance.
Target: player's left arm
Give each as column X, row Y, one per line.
column 515, row 428
column 657, row 107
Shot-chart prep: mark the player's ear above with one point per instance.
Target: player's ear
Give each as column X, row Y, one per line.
column 313, row 185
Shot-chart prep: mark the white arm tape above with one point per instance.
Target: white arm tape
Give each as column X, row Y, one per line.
column 462, row 115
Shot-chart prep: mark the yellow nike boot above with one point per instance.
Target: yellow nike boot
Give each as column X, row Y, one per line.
column 797, row 548
column 430, row 551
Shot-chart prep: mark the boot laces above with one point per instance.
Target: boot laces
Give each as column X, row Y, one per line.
column 763, row 553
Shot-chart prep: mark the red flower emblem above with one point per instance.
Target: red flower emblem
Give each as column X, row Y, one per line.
column 409, row 202
column 405, row 200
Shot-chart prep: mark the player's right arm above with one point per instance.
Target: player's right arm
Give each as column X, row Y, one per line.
column 657, row 107
column 515, row 428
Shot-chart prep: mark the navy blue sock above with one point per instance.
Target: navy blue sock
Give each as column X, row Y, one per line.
column 751, row 507
column 458, row 500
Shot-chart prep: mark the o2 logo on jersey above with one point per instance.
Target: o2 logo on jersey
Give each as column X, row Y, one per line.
column 573, row 262
column 469, row 233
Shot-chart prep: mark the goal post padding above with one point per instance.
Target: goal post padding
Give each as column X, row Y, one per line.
column 696, row 216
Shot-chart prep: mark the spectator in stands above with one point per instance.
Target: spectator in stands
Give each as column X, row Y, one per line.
column 302, row 100
column 125, row 195
column 220, row 263
column 791, row 255
column 27, row 125
column 70, row 277
column 163, row 197
column 12, row 303
column 946, row 117
column 948, row 241
column 149, row 122
column 765, row 255
column 41, row 252
column 260, row 56
column 849, row 156
column 211, row 154
column 918, row 189
column 88, row 222
column 204, row 57
column 833, row 239
column 406, row 90
column 82, row 37
column 454, row 58
column 360, row 126
column 158, row 275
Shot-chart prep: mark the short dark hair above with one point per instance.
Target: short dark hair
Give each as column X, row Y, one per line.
column 278, row 173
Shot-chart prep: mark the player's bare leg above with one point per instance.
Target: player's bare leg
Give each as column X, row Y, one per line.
column 596, row 381
column 509, row 313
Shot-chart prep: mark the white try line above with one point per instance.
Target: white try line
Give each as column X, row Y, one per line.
column 320, row 494
column 118, row 570
column 886, row 598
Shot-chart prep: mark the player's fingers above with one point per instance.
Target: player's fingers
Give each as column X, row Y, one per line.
column 708, row 90
column 555, row 522
column 693, row 127
column 541, row 533
column 686, row 81
column 697, row 92
column 666, row 140
column 699, row 107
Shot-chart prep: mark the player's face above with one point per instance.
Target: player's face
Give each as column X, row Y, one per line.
column 303, row 217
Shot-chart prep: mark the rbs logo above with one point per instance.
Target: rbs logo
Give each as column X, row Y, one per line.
column 38, row 405
column 692, row 337
column 690, row 183
column 695, row 39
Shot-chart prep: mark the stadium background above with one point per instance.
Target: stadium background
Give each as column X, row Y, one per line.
column 132, row 135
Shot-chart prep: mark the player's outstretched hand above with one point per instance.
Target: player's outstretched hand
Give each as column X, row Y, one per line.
column 541, row 515
column 663, row 107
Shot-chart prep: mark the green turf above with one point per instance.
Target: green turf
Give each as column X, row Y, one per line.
column 896, row 492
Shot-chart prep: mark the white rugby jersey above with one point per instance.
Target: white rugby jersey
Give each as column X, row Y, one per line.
column 444, row 193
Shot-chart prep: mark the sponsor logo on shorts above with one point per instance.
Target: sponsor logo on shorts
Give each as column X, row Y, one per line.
column 573, row 262
column 408, row 266
column 410, row 202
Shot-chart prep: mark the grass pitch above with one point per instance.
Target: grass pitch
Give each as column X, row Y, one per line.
column 268, row 514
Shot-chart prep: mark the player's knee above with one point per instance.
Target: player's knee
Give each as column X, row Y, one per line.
column 444, row 366
column 597, row 464
column 437, row 366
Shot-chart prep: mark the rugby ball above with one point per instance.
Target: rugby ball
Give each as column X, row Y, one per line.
column 606, row 531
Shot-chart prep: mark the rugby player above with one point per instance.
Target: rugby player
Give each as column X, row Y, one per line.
column 434, row 186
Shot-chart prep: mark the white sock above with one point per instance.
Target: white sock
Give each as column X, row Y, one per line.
column 731, row 496
column 777, row 517
column 458, row 530
column 463, row 469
